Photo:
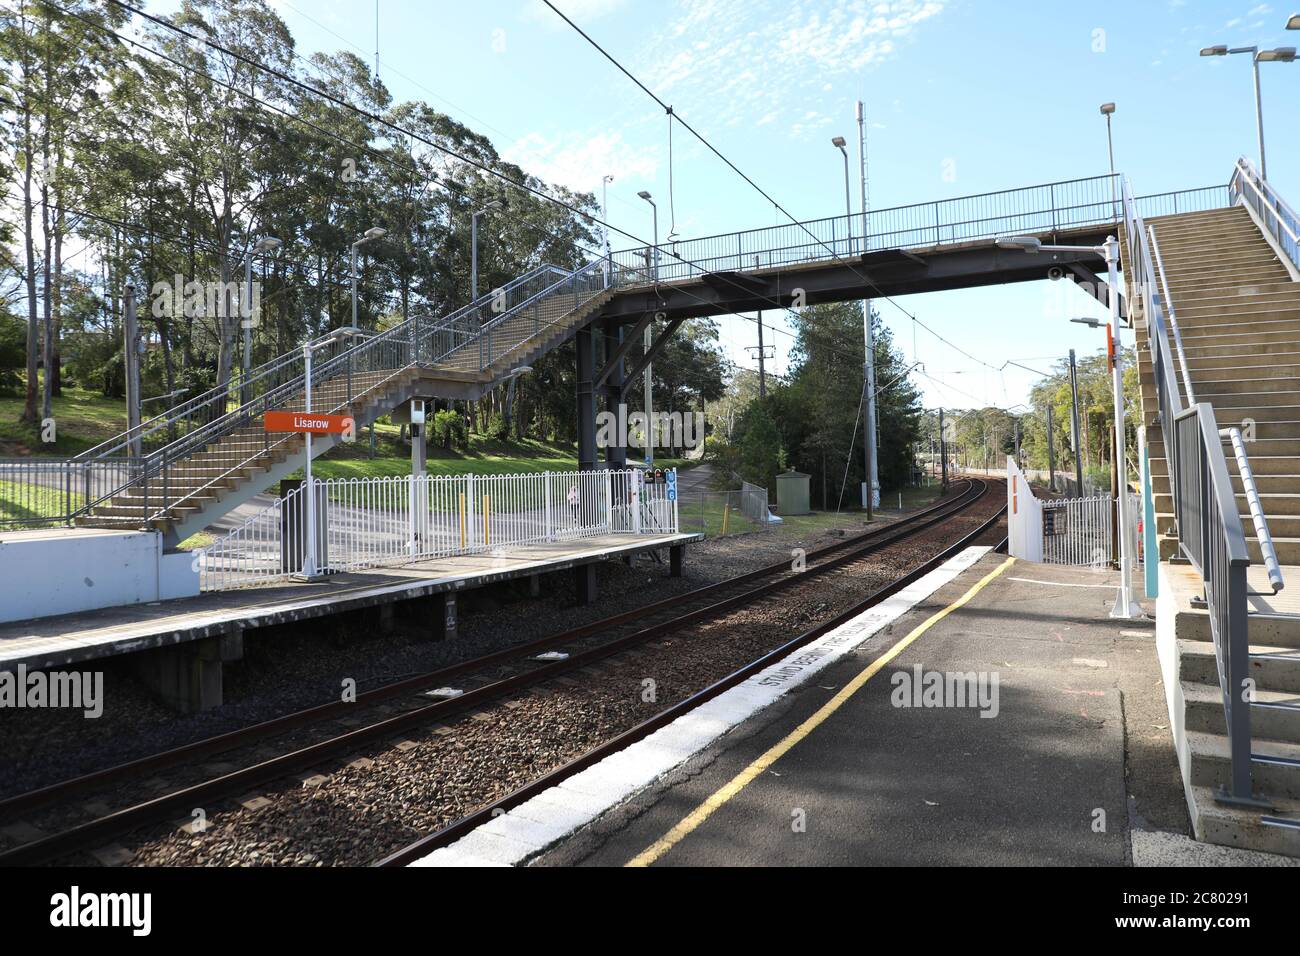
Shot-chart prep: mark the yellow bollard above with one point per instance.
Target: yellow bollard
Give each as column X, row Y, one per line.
column 462, row 521
column 487, row 503
column 726, row 513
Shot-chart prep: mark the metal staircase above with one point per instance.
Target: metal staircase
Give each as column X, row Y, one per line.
column 187, row 467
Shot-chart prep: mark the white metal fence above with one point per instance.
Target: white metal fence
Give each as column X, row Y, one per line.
column 370, row 522
column 1077, row 531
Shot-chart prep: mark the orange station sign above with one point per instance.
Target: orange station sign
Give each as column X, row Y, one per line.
column 314, row 422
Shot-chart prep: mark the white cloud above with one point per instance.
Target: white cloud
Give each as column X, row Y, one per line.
column 745, row 59
column 579, row 162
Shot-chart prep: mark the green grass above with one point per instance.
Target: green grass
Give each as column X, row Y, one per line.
column 82, row 419
column 709, row 517
column 31, row 503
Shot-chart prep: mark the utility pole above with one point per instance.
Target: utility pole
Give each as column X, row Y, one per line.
column 762, row 369
column 1051, row 454
column 131, row 351
column 1074, row 424
column 870, row 475
column 943, row 455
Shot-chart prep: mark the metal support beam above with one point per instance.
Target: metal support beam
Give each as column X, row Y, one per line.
column 586, row 395
column 626, row 342
column 615, row 345
column 1096, row 287
column 655, row 346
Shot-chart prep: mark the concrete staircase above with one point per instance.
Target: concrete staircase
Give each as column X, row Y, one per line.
column 1238, row 310
column 206, row 482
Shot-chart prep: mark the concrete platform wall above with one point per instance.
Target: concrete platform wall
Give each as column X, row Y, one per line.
column 69, row 570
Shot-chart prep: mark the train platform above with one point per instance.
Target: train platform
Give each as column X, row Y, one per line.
column 990, row 714
column 219, row 619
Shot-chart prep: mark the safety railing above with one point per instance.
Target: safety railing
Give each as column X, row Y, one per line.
column 1208, row 526
column 1035, row 209
column 205, row 444
column 1257, row 518
column 1168, row 302
column 1279, row 219
column 373, row 522
column 47, row 492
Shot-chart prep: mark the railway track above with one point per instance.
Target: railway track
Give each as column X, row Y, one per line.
column 479, row 681
column 461, row 827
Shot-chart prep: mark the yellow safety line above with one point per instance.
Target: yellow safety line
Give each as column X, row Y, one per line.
column 748, row 775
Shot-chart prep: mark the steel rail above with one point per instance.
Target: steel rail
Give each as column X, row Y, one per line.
column 34, row 799
column 141, row 814
column 454, row 831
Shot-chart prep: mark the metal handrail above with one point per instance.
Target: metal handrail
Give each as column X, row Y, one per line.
column 1207, row 523
column 1168, row 300
column 1266, row 549
column 1278, row 218
column 1045, row 208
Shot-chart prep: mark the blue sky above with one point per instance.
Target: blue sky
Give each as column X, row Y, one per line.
column 962, row 97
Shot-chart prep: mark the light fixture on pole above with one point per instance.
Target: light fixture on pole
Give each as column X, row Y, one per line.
column 264, row 245
column 1108, row 110
column 1125, row 605
column 649, row 335
column 604, row 207
column 473, row 245
column 1293, row 22
column 1280, row 55
column 839, row 143
column 309, row 569
column 511, row 378
column 374, row 232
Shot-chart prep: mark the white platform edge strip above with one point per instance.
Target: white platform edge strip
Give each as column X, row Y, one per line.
column 552, row 815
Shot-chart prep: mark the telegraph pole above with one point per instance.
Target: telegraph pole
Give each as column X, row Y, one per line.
column 131, row 331
column 1051, row 455
column 943, row 455
column 870, row 474
column 762, row 370
column 1074, row 398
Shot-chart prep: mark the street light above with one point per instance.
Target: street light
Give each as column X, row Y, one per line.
column 1125, row 606
column 1280, row 55
column 264, row 245
column 1107, row 110
column 374, row 232
column 511, row 378
column 473, row 245
column 649, row 441
column 839, row 143
column 604, row 207
column 309, row 569
column 1293, row 22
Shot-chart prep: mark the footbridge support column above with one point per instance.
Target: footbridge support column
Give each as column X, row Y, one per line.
column 586, row 394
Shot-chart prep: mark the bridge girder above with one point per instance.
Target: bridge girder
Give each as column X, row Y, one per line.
column 890, row 272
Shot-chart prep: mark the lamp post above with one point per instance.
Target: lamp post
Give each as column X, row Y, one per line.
column 510, row 388
column 374, row 232
column 264, row 245
column 1108, row 110
column 473, row 246
column 649, row 430
column 1125, row 606
column 1257, row 56
column 839, row 143
column 309, row 569
column 604, row 207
